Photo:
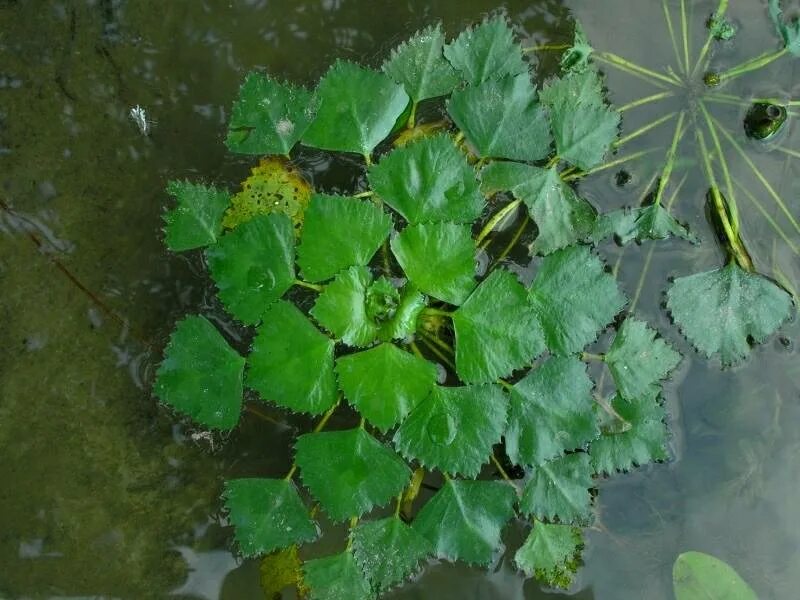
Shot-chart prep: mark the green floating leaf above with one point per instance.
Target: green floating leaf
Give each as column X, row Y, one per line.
column 583, row 126
column 291, row 363
column 439, row 258
column 559, row 489
column 639, row 439
column 496, row 331
column 561, row 216
column 385, row 383
column 454, row 429
column 340, row 232
column 639, row 360
column 336, row 577
column 551, row 554
column 722, row 310
column 428, row 180
column 576, row 58
column 267, row 515
column 419, row 65
column 551, row 411
column 652, row 222
column 201, row 375
column 487, row 51
column 574, row 298
column 502, row 119
column 349, row 472
column 253, row 265
column 789, row 31
column 388, row 551
column 197, row 219
column 698, row 576
column 357, row 109
column 269, row 117
column 465, row 519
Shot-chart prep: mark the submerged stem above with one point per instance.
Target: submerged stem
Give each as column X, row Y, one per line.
column 752, row 65
column 306, row 284
column 546, row 47
column 608, row 165
column 670, row 164
column 632, row 68
column 496, row 219
column 731, row 198
column 646, row 100
column 722, row 7
column 685, row 29
column 642, row 130
column 671, row 30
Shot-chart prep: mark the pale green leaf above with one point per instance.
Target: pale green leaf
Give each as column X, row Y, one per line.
column 439, row 258
column 496, row 330
column 253, row 265
column 385, row 383
column 559, row 489
column 357, row 109
column 551, row 411
column 291, row 363
column 196, row 221
column 698, row 576
column 651, row 222
column 574, row 298
column 486, row 51
column 267, row 515
column 465, row 519
column 638, row 360
column 502, row 119
column 454, row 429
column 268, row 117
column 340, row 232
column 788, row 30
column 576, row 58
column 401, row 320
column 419, row 65
column 201, row 375
column 349, row 472
column 551, row 554
column 721, row 28
column 428, row 180
column 336, row 577
column 721, row 311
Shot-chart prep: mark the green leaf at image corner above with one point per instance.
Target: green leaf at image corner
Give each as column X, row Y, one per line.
column 201, row 375
column 336, row 577
column 652, row 222
column 385, row 383
column 486, row 51
column 465, row 519
column 253, row 265
column 788, row 31
column 356, row 109
column 267, row 515
column 496, row 331
column 428, row 180
column 439, row 258
column 559, row 488
column 420, row 66
column 349, row 472
column 291, row 363
column 502, row 119
column 720, row 311
column 268, row 117
column 339, row 232
column 551, row 553
column 699, row 576
column 196, row 221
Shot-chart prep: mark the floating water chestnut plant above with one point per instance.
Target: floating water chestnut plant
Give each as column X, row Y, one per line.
column 468, row 378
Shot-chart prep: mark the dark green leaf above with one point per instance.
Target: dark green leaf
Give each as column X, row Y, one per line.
column 722, row 310
column 197, row 219
column 551, row 554
column 349, row 472
column 340, row 232
column 341, row 308
column 652, row 222
column 253, row 265
column 336, row 577
column 789, row 31
column 559, row 488
column 428, row 180
column 465, row 519
column 291, row 363
column 698, row 576
column 576, row 58
column 487, row 51
column 574, row 298
column 502, row 119
column 267, row 515
column 454, row 429
column 357, row 109
column 385, row 383
column 638, row 360
column 388, row 551
column 439, row 258
column 269, row 117
column 201, row 375
column 496, row 331
column 561, row 216
column 551, row 411
column 419, row 65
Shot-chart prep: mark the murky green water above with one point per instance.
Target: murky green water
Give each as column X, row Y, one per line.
column 102, row 495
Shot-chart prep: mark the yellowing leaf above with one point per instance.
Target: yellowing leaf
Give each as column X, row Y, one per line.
column 280, row 570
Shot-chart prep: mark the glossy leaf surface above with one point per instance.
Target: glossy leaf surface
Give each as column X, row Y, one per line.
column 559, row 488
column 196, row 221
column 698, row 576
column 336, row 577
